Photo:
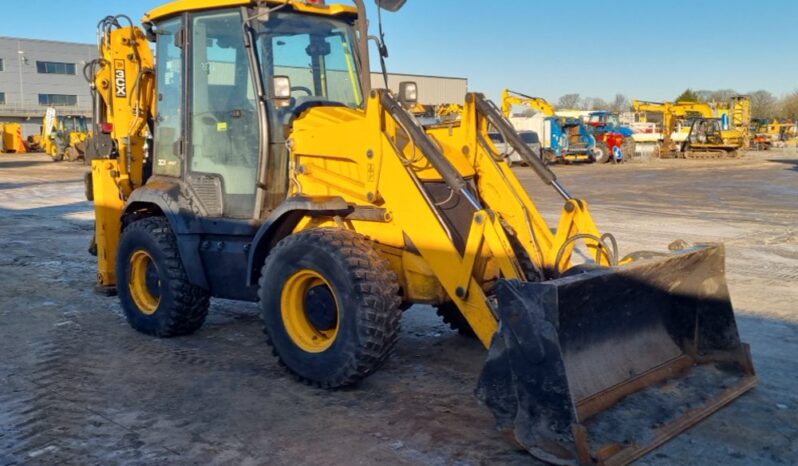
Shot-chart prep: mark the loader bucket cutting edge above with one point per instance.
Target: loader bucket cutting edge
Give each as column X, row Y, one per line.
column 603, row 367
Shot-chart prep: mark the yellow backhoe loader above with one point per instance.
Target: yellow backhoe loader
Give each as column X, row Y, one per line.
column 255, row 162
column 64, row 136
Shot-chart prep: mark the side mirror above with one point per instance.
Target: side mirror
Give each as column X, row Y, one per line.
column 390, row 5
column 281, row 90
column 408, row 93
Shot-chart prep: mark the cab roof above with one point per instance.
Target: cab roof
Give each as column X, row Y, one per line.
column 183, row 6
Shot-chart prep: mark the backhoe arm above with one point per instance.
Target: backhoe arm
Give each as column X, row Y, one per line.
column 122, row 83
column 512, row 98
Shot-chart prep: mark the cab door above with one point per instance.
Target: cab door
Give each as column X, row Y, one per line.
column 223, row 127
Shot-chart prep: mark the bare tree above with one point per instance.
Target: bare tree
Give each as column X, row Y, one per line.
column 789, row 106
column 596, row 103
column 569, row 102
column 717, row 96
column 723, row 95
column 764, row 104
column 620, row 104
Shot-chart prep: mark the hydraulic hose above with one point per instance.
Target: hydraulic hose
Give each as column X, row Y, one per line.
column 417, row 135
column 612, row 253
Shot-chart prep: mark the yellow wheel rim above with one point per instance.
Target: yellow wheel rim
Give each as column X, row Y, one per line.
column 144, row 282
column 309, row 311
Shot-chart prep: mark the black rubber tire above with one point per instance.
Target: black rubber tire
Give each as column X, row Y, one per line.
column 628, row 148
column 183, row 307
column 454, row 319
column 601, row 153
column 367, row 291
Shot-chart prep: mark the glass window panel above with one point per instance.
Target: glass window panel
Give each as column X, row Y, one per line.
column 169, row 121
column 224, row 122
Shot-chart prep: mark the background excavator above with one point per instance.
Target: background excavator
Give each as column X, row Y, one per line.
column 564, row 139
column 698, row 129
column 230, row 171
column 64, row 136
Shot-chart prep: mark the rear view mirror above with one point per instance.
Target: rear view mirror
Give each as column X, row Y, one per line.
column 408, row 93
column 390, row 5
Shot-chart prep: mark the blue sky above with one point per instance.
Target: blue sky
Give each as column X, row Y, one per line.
column 649, row 50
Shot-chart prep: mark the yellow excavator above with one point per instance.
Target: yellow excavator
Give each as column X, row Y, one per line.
column 703, row 135
column 448, row 112
column 255, row 162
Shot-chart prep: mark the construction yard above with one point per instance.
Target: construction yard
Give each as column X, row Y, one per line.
column 79, row 386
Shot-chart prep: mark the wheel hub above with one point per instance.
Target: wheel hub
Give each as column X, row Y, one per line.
column 310, row 311
column 144, row 282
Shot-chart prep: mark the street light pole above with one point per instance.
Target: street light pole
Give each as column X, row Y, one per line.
column 21, row 83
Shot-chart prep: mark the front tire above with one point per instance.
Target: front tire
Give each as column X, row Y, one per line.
column 330, row 306
column 153, row 286
column 602, row 153
column 452, row 316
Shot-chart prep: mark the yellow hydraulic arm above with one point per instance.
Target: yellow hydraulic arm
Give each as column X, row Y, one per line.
column 512, row 98
column 122, row 81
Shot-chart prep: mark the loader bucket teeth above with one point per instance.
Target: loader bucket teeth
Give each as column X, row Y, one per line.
column 602, row 367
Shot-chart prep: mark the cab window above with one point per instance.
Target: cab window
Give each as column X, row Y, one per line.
column 224, row 131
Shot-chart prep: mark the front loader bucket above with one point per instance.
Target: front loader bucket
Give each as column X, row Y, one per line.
column 603, row 367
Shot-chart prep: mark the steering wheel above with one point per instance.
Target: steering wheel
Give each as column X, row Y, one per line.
column 302, row 89
column 207, row 117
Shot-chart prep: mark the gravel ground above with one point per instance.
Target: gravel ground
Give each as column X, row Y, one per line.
column 78, row 386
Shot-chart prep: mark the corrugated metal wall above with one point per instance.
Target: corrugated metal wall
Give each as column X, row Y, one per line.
column 432, row 90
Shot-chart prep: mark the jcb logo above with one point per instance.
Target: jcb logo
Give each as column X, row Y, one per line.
column 120, row 80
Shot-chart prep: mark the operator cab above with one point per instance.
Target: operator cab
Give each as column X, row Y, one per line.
column 225, row 108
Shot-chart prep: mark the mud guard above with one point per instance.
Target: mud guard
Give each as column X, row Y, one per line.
column 603, row 367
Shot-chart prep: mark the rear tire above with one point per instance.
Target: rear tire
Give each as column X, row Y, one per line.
column 153, row 286
column 330, row 306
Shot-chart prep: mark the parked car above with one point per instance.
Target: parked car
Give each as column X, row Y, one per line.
column 529, row 137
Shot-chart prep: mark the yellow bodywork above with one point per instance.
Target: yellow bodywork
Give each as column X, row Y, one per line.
column 183, row 6
column 438, row 203
column 345, row 152
column 126, row 85
column 12, row 140
column 449, row 111
column 365, row 157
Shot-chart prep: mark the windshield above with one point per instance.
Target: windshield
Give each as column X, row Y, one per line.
column 316, row 53
column 605, row 118
column 529, row 137
column 75, row 124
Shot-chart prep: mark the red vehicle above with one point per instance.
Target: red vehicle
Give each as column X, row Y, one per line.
column 607, row 128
